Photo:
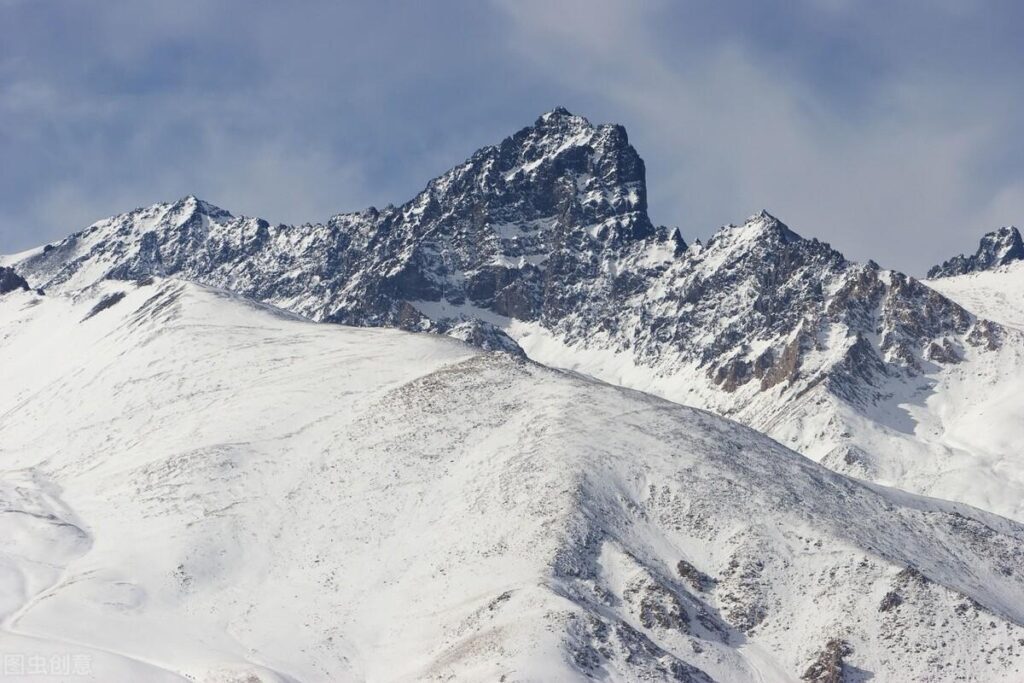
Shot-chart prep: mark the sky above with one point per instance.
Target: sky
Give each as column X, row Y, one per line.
column 892, row 130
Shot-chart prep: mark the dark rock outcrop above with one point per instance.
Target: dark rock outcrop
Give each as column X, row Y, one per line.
column 997, row 248
column 828, row 667
column 10, row 281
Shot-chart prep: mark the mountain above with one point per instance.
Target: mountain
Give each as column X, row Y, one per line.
column 542, row 244
column 997, row 248
column 197, row 486
column 505, row 230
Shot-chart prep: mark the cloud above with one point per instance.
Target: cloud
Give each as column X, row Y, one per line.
column 891, row 131
column 885, row 167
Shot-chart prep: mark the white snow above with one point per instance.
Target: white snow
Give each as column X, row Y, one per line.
column 198, row 487
column 996, row 294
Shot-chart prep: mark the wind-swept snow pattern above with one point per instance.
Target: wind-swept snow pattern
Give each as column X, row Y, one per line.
column 198, row 487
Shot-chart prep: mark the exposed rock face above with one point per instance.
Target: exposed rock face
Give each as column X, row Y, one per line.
column 485, row 336
column 997, row 248
column 828, row 667
column 507, row 230
column 10, row 281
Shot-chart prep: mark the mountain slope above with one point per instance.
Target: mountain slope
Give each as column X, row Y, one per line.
column 200, row 486
column 543, row 242
column 996, row 294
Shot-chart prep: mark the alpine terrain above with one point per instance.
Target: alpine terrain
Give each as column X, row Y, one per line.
column 543, row 244
column 615, row 455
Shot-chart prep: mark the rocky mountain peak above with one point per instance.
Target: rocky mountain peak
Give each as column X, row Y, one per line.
column 762, row 228
column 997, row 248
column 190, row 205
column 767, row 248
column 562, row 169
column 675, row 237
column 512, row 228
column 560, row 116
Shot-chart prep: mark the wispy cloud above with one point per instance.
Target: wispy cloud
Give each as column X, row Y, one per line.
column 892, row 131
column 862, row 145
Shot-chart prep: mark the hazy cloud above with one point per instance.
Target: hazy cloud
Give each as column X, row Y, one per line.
column 872, row 132
column 889, row 129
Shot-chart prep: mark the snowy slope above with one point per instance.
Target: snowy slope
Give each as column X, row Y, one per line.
column 996, row 294
column 199, row 487
column 948, row 429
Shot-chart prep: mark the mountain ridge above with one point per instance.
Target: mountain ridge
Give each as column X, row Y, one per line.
column 997, row 248
column 542, row 244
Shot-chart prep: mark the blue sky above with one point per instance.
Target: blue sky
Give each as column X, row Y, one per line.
column 892, row 130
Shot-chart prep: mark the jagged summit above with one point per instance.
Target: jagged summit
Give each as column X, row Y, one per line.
column 997, row 248
column 560, row 115
column 761, row 227
column 561, row 167
column 560, row 121
column 768, row 223
column 548, row 202
column 191, row 204
column 675, row 236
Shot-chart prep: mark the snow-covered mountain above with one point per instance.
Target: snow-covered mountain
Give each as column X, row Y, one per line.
column 998, row 248
column 501, row 230
column 543, row 242
column 863, row 369
column 199, row 487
